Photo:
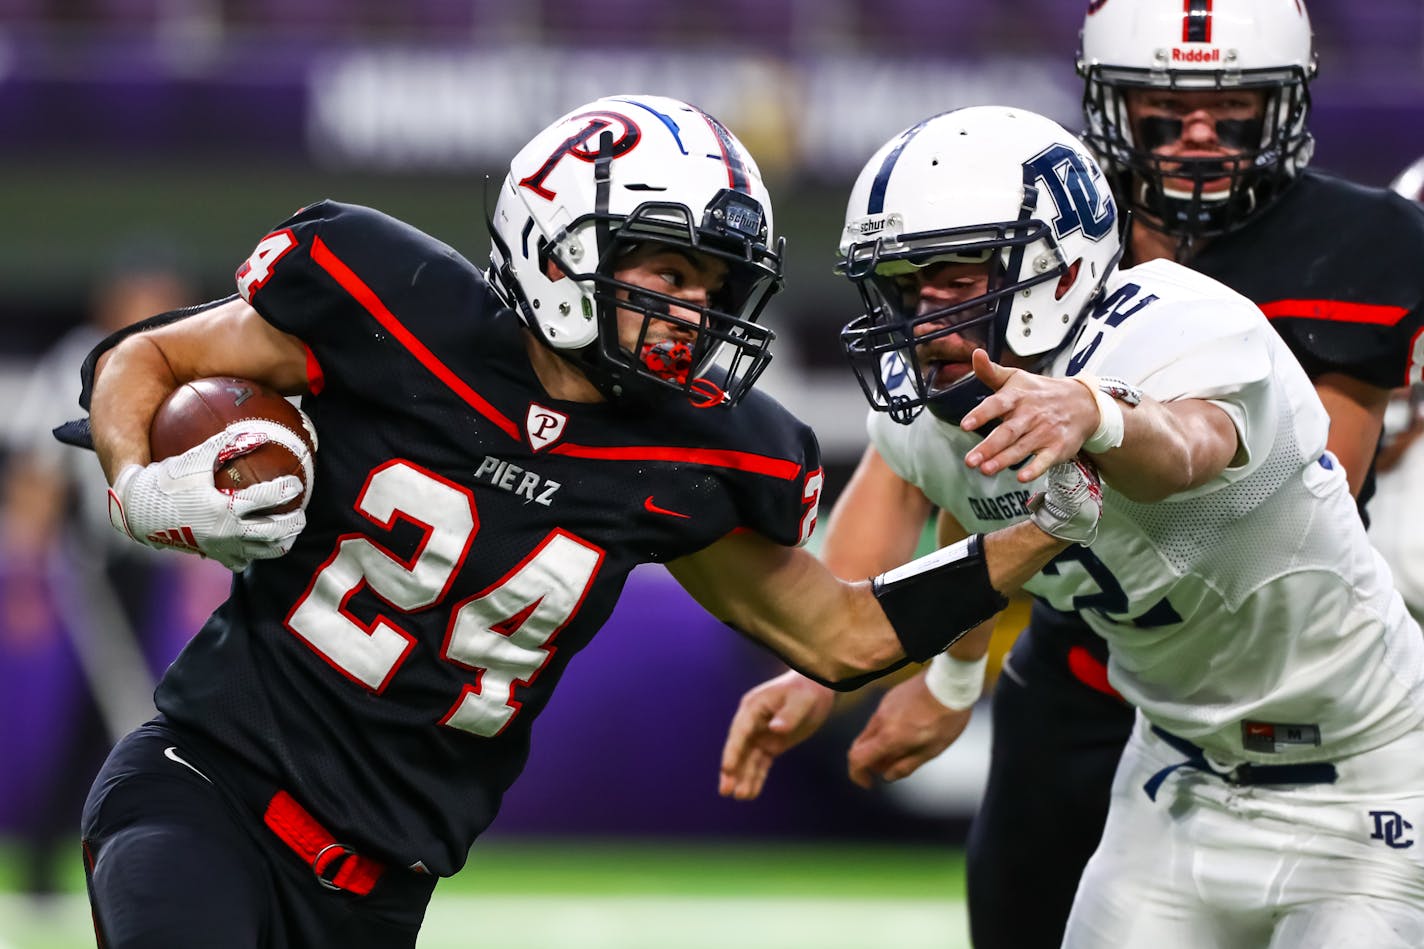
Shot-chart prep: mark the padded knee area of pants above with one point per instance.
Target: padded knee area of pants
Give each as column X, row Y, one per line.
column 161, row 886
column 1357, row 923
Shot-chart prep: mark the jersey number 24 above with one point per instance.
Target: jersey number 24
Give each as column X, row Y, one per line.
column 501, row 635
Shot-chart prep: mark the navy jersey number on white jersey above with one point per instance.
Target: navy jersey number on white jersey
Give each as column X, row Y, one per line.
column 1228, row 603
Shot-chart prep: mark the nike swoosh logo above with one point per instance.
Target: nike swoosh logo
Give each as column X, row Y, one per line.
column 171, row 753
column 648, row 505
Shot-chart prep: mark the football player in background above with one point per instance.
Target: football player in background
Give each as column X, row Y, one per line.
column 1278, row 679
column 497, row 451
column 1198, row 114
column 69, row 575
column 1400, row 464
column 1394, row 527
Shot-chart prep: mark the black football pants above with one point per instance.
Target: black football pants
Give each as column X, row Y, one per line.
column 1056, row 745
column 173, row 861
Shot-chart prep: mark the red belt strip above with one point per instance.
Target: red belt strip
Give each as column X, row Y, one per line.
column 321, row 851
column 1087, row 669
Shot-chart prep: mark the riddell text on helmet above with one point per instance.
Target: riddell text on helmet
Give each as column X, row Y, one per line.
column 1180, row 55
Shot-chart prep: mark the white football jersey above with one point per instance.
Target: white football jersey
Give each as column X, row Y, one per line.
column 1249, row 615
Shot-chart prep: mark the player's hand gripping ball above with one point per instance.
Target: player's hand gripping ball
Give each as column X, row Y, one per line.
column 231, row 479
column 198, row 410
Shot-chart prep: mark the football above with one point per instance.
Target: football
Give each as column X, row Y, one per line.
column 197, row 410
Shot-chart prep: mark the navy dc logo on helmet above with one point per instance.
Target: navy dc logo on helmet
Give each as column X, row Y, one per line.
column 1080, row 202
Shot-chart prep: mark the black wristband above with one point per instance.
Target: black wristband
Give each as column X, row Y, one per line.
column 933, row 601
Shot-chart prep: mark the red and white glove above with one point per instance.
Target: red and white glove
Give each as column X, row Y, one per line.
column 1071, row 502
column 173, row 504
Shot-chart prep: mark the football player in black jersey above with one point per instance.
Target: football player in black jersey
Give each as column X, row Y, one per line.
column 1200, row 118
column 497, row 452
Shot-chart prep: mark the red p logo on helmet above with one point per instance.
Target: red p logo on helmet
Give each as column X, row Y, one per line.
column 577, row 145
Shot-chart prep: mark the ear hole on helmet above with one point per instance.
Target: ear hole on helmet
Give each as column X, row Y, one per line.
column 547, row 263
column 1070, row 277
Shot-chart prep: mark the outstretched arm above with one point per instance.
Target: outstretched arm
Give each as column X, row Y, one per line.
column 1165, row 448
column 784, row 711
column 846, row 633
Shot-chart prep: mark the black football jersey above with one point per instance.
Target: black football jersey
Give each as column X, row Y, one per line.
column 1336, row 268
column 466, row 536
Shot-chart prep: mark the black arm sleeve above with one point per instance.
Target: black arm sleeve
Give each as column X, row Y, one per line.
column 931, row 602
column 935, row 600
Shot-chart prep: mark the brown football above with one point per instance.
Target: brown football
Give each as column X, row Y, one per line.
column 198, row 410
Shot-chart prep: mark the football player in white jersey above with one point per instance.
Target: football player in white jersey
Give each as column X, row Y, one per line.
column 1270, row 792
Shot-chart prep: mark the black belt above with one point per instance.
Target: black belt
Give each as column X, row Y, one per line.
column 1315, row 772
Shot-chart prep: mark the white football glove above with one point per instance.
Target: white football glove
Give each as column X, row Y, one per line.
column 1071, row 503
column 172, row 504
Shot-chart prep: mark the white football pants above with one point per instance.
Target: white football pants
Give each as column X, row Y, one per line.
column 1210, row 865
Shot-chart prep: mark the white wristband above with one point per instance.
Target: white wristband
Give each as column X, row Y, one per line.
column 956, row 683
column 117, row 517
column 1110, row 422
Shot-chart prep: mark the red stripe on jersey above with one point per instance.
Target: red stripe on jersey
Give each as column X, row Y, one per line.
column 717, row 458
column 316, row 379
column 712, row 457
column 322, row 256
column 1336, row 311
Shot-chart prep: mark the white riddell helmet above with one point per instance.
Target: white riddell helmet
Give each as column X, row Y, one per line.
column 983, row 184
column 1200, row 45
column 608, row 176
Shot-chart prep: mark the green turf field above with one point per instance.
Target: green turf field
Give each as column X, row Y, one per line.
column 592, row 894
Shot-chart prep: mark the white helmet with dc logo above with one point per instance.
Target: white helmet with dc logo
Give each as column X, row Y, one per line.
column 990, row 185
